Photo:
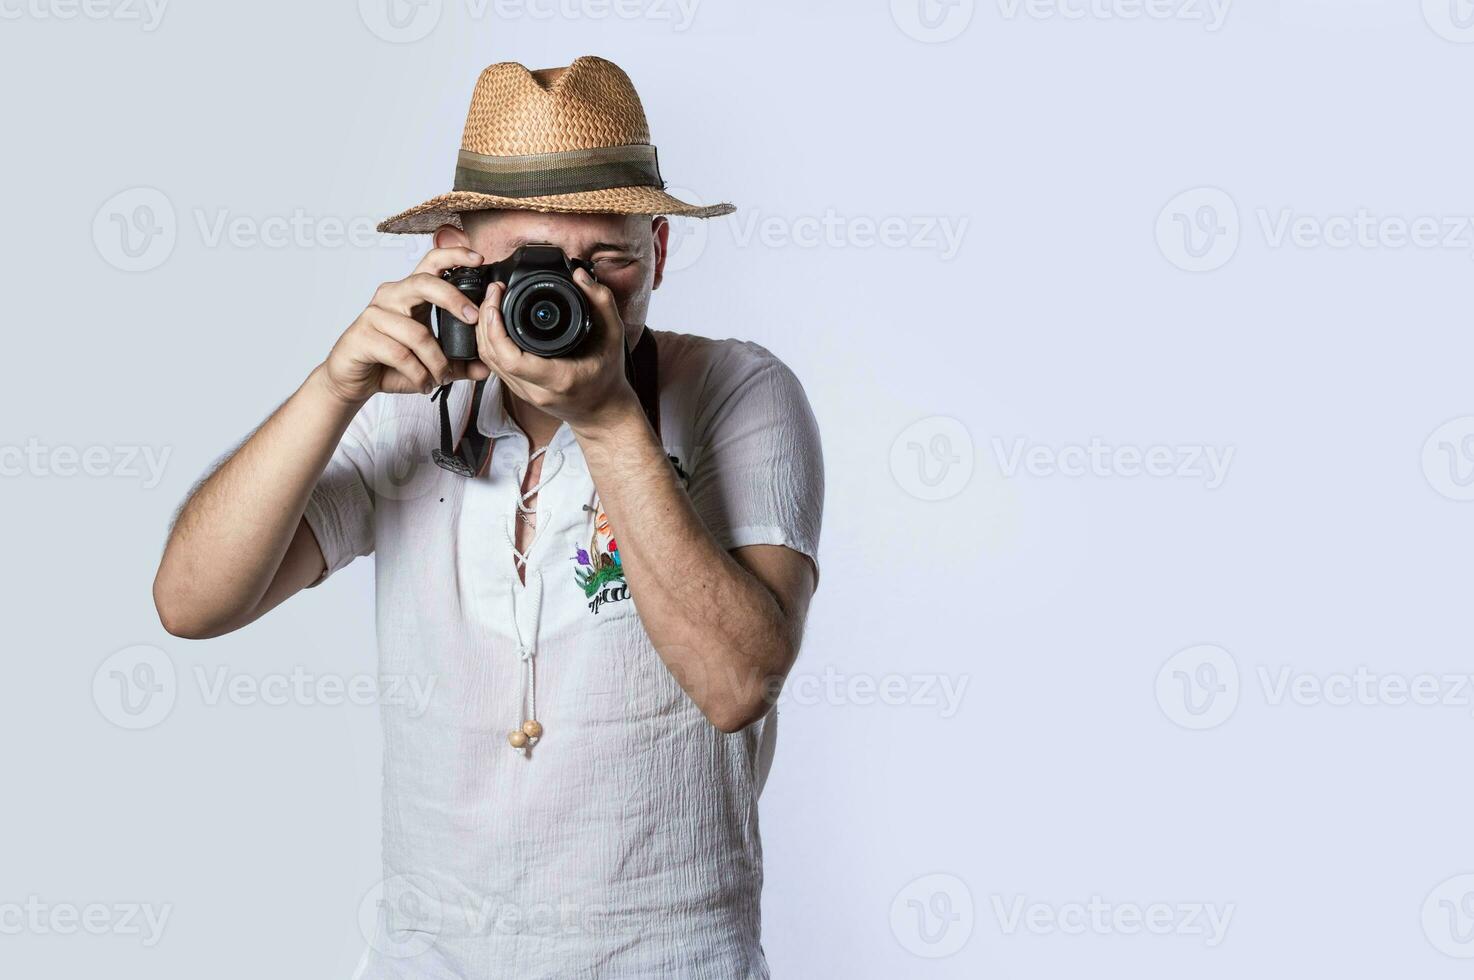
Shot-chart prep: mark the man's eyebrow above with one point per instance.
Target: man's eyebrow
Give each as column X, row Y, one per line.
column 610, row 247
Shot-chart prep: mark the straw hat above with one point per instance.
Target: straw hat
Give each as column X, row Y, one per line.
column 568, row 139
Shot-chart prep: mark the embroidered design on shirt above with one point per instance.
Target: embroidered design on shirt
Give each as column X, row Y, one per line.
column 601, row 571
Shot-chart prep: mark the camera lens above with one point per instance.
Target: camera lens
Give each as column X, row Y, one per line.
column 545, row 314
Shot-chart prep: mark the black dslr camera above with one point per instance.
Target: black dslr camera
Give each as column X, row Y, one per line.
column 544, row 310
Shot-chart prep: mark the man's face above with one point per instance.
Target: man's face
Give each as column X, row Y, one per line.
column 627, row 251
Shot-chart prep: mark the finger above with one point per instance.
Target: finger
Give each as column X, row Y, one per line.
column 417, row 338
column 419, row 289
column 492, row 341
column 404, row 372
column 606, row 310
column 438, row 260
column 469, row 371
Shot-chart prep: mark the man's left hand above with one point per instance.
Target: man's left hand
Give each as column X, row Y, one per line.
column 580, row 390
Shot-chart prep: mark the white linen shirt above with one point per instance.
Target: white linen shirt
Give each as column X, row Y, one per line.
column 625, row 843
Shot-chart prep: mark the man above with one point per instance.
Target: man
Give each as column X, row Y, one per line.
column 607, row 576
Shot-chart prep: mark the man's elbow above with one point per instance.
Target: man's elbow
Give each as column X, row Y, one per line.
column 748, row 703
column 176, row 616
column 733, row 718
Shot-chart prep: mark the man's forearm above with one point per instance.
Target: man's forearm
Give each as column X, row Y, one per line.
column 718, row 629
column 233, row 532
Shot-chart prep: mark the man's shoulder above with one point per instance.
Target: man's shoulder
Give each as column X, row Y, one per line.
column 708, row 363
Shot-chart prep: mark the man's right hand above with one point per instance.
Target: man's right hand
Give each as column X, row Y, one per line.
column 390, row 346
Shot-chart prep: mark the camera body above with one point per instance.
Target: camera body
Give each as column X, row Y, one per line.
column 544, row 311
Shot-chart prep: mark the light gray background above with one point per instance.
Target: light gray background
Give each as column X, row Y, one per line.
column 1079, row 151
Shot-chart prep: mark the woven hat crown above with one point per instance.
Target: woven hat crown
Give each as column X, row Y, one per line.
column 591, row 103
column 562, row 140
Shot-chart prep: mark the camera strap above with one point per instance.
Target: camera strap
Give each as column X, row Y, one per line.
column 468, row 456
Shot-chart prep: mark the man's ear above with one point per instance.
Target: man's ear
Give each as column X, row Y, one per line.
column 660, row 231
column 449, row 236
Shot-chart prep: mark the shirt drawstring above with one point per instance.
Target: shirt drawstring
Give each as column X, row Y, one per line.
column 531, row 731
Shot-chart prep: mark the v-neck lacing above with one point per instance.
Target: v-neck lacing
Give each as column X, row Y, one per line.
column 527, row 643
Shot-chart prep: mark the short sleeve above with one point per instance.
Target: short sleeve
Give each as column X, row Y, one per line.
column 340, row 509
column 758, row 476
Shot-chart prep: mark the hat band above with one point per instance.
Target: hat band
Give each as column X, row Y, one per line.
column 569, row 172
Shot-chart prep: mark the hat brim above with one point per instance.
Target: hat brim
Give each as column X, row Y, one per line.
column 444, row 210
